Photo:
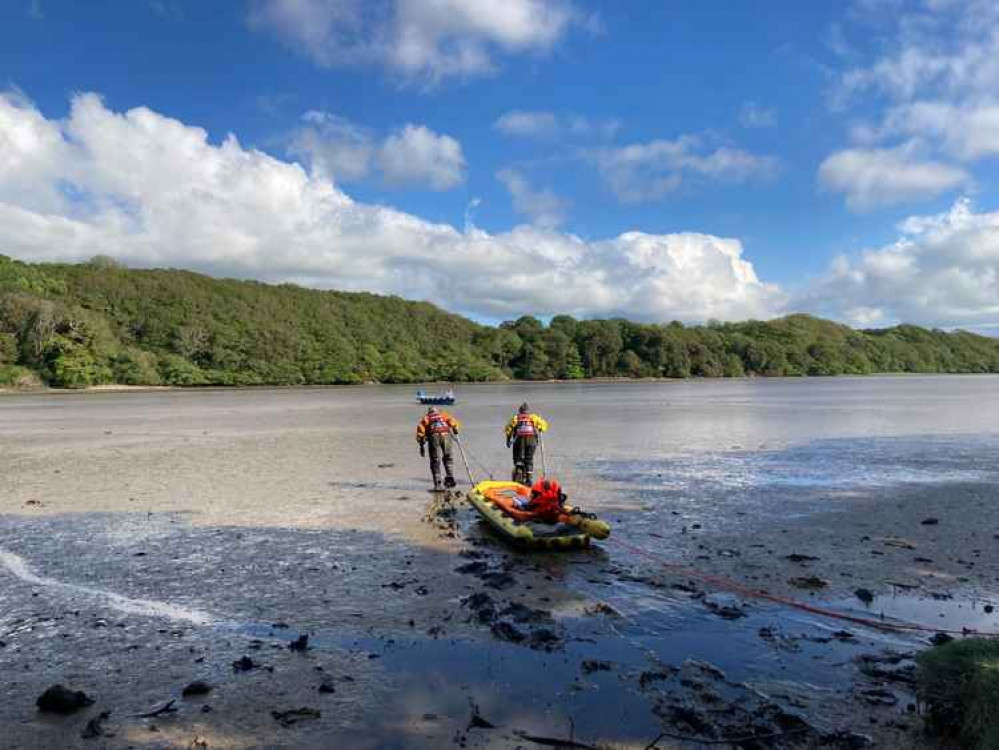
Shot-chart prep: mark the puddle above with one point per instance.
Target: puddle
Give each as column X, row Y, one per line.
column 979, row 614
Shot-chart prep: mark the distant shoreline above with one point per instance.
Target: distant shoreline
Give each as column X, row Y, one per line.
column 121, row 388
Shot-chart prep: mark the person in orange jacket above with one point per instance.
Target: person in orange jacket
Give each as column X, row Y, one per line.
column 522, row 433
column 436, row 430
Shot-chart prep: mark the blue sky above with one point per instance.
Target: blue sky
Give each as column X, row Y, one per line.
column 657, row 160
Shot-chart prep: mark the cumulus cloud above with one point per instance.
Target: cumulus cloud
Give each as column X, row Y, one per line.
column 943, row 271
column 754, row 115
column 153, row 191
column 428, row 39
column 874, row 177
column 935, row 82
column 535, row 124
column 337, row 149
column 333, row 147
column 648, row 171
column 416, row 154
column 544, row 207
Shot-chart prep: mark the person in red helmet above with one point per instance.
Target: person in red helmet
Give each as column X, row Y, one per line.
column 547, row 500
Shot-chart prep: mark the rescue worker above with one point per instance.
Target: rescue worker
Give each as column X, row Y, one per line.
column 547, row 500
column 436, row 429
column 522, row 432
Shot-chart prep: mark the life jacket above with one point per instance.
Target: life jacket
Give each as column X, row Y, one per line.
column 437, row 424
column 525, row 426
column 546, row 499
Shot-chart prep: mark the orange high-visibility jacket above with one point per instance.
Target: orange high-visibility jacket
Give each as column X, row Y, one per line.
column 525, row 425
column 440, row 423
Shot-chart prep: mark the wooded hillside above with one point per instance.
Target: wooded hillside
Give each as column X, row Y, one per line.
column 97, row 322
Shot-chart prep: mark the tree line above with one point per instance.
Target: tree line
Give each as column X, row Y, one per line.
column 75, row 325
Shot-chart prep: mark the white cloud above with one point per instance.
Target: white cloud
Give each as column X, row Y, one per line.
column 872, row 177
column 649, row 171
column 152, row 191
column 415, row 154
column 754, row 115
column 336, row 149
column 936, row 82
column 528, row 124
column 424, row 39
column 544, row 207
column 35, row 11
column 942, row 271
column 967, row 132
column 333, row 147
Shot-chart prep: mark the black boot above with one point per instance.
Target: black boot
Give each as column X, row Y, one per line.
column 449, row 482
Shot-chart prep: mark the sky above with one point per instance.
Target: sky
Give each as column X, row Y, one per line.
column 718, row 159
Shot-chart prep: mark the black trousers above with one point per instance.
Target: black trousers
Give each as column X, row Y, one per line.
column 440, row 452
column 523, row 458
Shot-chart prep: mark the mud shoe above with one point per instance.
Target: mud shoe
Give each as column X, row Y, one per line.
column 449, row 482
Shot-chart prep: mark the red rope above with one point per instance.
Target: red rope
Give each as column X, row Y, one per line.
column 726, row 583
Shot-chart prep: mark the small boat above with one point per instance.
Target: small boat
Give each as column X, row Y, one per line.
column 444, row 399
column 496, row 503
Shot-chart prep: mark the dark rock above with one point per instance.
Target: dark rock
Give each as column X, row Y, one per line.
column 796, row 558
column 589, row 666
column 602, row 609
column 520, row 613
column 477, row 722
column 723, row 609
column 498, row 581
column 544, row 638
column 808, row 582
column 940, row 639
column 198, row 687
column 930, row 521
column 300, row 644
column 295, row 715
column 507, row 632
column 60, row 700
column 879, row 697
column 245, row 664
column 327, row 686
column 95, row 727
column 689, row 718
column 865, row 595
column 988, row 609
column 647, row 678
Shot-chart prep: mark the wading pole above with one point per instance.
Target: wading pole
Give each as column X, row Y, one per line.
column 544, row 465
column 464, row 460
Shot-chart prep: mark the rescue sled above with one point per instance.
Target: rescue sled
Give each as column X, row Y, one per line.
column 495, row 502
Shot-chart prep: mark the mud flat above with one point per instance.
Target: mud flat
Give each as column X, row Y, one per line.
column 153, row 541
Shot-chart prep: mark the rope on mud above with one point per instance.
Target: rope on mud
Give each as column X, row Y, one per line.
column 461, row 450
column 482, row 466
column 734, row 586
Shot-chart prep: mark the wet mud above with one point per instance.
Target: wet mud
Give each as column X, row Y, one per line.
column 242, row 569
